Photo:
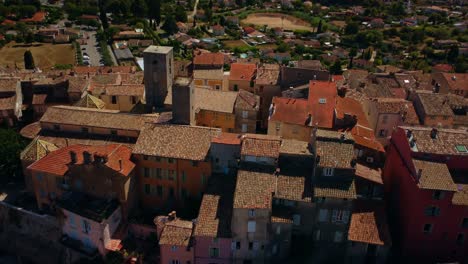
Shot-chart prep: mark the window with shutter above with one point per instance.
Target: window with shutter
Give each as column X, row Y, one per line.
column 251, row 226
column 323, row 215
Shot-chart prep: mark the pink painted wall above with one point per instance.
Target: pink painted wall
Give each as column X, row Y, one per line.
column 202, row 250
column 97, row 235
column 181, row 254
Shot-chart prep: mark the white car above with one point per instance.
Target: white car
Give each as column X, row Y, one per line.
column 86, row 57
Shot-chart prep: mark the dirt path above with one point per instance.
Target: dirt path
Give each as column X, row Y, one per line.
column 195, row 6
column 273, row 20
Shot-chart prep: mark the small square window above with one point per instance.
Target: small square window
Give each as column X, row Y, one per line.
column 84, row 130
column 465, row 222
column 460, row 239
column 114, row 99
column 327, row 171
column 57, row 127
column 251, row 213
column 427, row 228
column 438, row 195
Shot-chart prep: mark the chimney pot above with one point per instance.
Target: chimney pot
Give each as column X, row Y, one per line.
column 434, row 132
column 72, row 157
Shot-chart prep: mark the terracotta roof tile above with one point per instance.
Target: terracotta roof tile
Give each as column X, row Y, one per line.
column 334, row 153
column 89, row 117
column 209, row 60
column 434, row 104
column 39, row 99
column 254, row 189
column 247, row 101
column 126, row 90
column 261, row 145
column 369, row 224
column 322, row 97
column 213, row 100
column 374, row 175
column 434, row 176
column 227, row 138
column 58, row 162
column 342, row 189
column 177, row 232
column 295, row 147
column 268, row 74
column 8, row 84
column 292, row 188
column 242, row 72
column 454, row 81
column 291, row 111
column 176, row 141
column 397, row 106
column 30, row 131
column 8, row 103
column 214, row 217
column 445, row 143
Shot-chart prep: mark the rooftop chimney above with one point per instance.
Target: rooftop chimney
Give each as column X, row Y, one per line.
column 86, row 157
column 120, row 164
column 434, row 132
column 342, row 137
column 172, row 216
column 409, row 133
column 454, row 77
column 418, row 175
column 72, row 157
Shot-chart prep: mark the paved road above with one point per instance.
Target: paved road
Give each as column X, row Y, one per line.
column 91, row 49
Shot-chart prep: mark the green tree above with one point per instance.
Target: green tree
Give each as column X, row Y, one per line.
column 351, row 28
column 180, row 14
column 319, row 27
column 336, row 68
column 154, row 10
column 11, row 145
column 452, row 53
column 29, row 60
column 170, row 25
column 114, row 257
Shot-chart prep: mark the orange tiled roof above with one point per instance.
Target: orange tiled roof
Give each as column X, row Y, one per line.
column 117, row 158
column 350, row 106
column 322, row 97
column 369, row 224
column 209, row 59
column 39, row 16
column 8, row 22
column 292, row 111
column 242, row 71
column 227, row 138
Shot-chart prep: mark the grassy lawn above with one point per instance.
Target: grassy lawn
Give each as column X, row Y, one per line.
column 45, row 55
column 230, row 44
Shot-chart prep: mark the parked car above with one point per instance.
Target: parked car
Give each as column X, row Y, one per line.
column 85, row 57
